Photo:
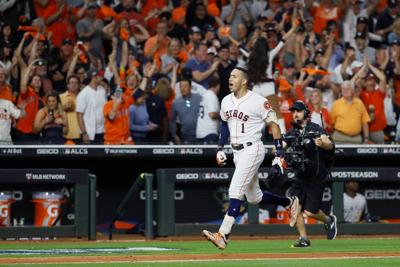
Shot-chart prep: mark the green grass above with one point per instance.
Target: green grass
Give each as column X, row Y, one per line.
column 249, row 263
column 235, row 246
column 347, row 245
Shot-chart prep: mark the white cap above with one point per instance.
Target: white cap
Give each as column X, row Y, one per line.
column 355, row 64
column 212, row 50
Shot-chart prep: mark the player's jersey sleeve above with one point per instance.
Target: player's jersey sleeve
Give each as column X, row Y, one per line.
column 267, row 113
column 222, row 111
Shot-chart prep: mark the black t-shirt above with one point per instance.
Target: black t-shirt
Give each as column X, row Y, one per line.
column 385, row 20
column 157, row 112
column 156, row 108
column 317, row 160
column 179, row 32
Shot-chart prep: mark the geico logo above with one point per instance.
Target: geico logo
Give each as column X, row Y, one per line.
column 52, row 210
column 143, row 194
column 3, row 211
column 178, row 195
column 187, row 176
column 214, row 175
column 389, row 194
column 48, row 151
column 368, row 150
column 163, row 151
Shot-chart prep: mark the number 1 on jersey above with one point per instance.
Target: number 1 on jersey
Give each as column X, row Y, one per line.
column 242, row 127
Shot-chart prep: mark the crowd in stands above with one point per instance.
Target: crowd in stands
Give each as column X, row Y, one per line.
column 155, row 71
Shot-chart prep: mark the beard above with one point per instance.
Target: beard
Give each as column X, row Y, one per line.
column 297, row 122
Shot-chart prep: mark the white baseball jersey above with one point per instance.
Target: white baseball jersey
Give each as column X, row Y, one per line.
column 354, row 207
column 206, row 125
column 246, row 118
column 7, row 111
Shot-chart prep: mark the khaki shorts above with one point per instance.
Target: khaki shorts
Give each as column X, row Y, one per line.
column 341, row 138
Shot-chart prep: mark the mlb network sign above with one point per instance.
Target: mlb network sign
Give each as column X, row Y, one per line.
column 45, row 176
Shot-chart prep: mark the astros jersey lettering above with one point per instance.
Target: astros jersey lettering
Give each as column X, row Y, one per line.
column 246, row 116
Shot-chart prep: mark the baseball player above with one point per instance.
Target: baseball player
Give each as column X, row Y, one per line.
column 244, row 114
column 261, row 69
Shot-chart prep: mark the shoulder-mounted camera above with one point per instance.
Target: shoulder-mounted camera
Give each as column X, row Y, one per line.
column 299, row 145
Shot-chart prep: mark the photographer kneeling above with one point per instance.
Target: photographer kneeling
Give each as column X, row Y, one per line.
column 309, row 153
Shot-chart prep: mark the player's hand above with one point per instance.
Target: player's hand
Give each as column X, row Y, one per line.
column 221, row 158
column 279, row 164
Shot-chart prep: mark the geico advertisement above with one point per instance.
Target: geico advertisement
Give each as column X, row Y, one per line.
column 202, row 176
column 382, row 194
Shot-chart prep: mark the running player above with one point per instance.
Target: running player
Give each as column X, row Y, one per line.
column 244, row 114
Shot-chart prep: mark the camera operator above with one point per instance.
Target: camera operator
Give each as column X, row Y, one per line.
column 309, row 151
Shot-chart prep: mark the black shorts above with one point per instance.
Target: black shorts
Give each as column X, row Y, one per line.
column 309, row 194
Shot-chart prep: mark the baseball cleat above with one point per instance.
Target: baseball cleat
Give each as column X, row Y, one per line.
column 303, row 242
column 331, row 228
column 217, row 239
column 294, row 210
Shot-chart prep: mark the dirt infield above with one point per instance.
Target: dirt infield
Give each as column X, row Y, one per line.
column 195, row 257
column 140, row 238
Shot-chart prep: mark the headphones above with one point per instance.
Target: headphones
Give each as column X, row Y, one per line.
column 303, row 107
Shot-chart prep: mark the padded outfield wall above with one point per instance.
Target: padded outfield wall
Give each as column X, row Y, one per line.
column 116, row 167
